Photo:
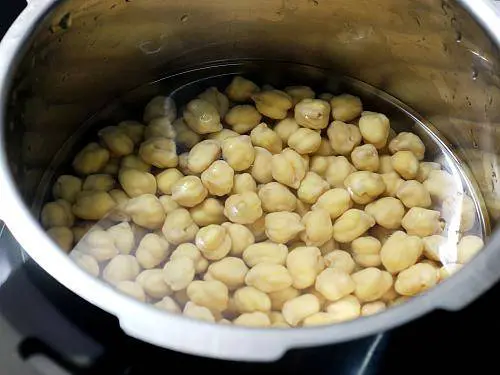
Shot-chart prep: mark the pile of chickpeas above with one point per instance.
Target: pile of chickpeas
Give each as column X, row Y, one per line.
column 285, row 210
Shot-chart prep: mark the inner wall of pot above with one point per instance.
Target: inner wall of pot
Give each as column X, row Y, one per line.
column 430, row 54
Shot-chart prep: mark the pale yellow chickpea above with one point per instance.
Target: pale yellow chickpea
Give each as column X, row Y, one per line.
column 168, row 203
column 241, row 237
column 210, row 211
column 134, row 162
column 67, row 187
column 312, row 113
column 279, row 298
column 437, row 247
column 261, row 169
column 122, row 267
column 278, row 320
column 243, row 118
column 132, row 289
column 213, row 294
column 365, row 158
column 406, row 141
column 289, row 168
column 304, row 264
column 213, row 241
column 62, row 236
column 152, row 250
column 364, row 186
column 311, row 188
column 283, row 226
column 167, row 178
column 449, row 269
column 400, row 251
column 441, row 184
column 334, row 284
column 99, row 244
column 319, row 319
column 468, row 247
column 405, row 163
column 192, row 310
column 134, row 130
column 57, row 214
column 255, row 319
column 91, row 159
column 160, row 106
column 267, row 138
column 190, row 251
column 345, row 309
column 372, row 308
column 414, row 194
column 202, row 155
column 425, row 168
column 268, row 277
column 258, row 229
column 460, row 205
column 230, row 270
column 160, row 152
column 93, row 205
column 385, row 164
column 340, row 260
column 374, row 128
column 136, row 183
column 337, row 171
column 422, row 222
column 98, row 181
column 222, row 135
column 265, row 252
column 249, row 299
column 318, row 227
column 300, row 92
column 241, row 89
column 244, row 208
column 285, row 128
column 243, row 182
column 146, row 211
column 168, row 304
column 179, row 227
column 388, row 212
column 185, row 136
column 216, row 98
column 416, row 279
column 160, row 127
column 123, row 237
column 86, row 262
column 189, row 191
column 153, row 284
column 346, row 107
column 277, row 197
column 335, row 201
column 178, row 273
column 238, row 152
column 343, row 137
column 299, row 308
column 273, row 103
column 392, row 182
column 218, row 178
column 351, row 225
column 202, row 117
column 366, row 251
column 371, row 284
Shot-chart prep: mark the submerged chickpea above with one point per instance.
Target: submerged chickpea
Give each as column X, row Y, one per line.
column 374, row 128
column 91, row 159
column 372, row 308
column 265, row 252
column 413, row 194
column 304, row 264
column 160, row 127
column 279, row 298
column 371, row 284
column 345, row 309
column 185, row 136
column 311, row 188
column 258, row 229
column 57, row 214
column 67, row 187
column 273, row 103
column 255, row 319
column 406, row 141
column 241, row 237
column 460, row 205
column 86, row 262
column 189, row 191
column 160, row 152
column 178, row 273
column 222, row 135
column 146, row 211
column 289, row 168
column 268, row 277
column 285, row 128
column 132, row 289
column 261, row 169
column 422, row 222
column 213, row 241
column 244, row 208
column 192, row 310
column 346, row 107
column 400, row 251
column 299, row 92
column 62, row 236
column 425, row 168
column 305, row 141
column 93, row 205
column 343, row 137
column 243, row 182
column 167, row 178
column 99, row 244
column 179, row 227
column 216, row 98
column 168, row 304
column 241, row 89
column 392, row 182
column 299, row 308
column 134, row 162
column 319, row 164
column 123, row 237
column 160, row 106
column 366, row 251
column 265, row 137
column 202, row 155
column 388, row 212
column 318, row 227
column 231, row 271
column 385, row 164
column 406, row 164
column 340, row 260
column 468, row 247
column 238, row 152
column 277, row 197
column 334, row 284
column 364, row 186
column 335, row 201
column 243, row 118
column 312, row 113
column 152, row 250
column 210, row 211
column 120, row 268
column 351, row 225
column 416, row 279
column 218, row 178
column 365, row 158
column 153, row 284
column 168, row 203
column 202, row 117
column 136, row 183
column 134, row 130
column 250, row 299
column 441, row 185
column 211, row 294
column 338, row 170
column 282, row 227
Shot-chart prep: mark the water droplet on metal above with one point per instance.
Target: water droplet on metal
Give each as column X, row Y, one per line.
column 475, row 74
column 459, row 37
column 184, row 18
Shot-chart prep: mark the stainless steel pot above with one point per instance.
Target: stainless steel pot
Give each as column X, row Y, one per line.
column 62, row 60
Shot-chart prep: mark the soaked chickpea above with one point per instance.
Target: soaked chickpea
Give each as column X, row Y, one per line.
column 267, row 138
column 132, row 289
column 345, row 309
column 67, row 187
column 282, row 227
column 299, row 308
column 388, row 212
column 366, row 251
column 261, row 169
column 231, row 271
column 334, row 284
column 351, row 225
column 168, row 304
column 422, row 222
column 243, row 118
column 373, row 308
column 268, row 277
column 210, row 211
column 340, row 260
column 406, row 141
column 178, row 273
column 87, row 262
column 304, row 264
column 285, row 128
column 338, row 170
column 192, row 310
column 374, row 128
column 464, row 205
column 218, row 178
column 160, row 152
column 241, row 238
column 93, row 205
column 134, row 162
column 273, row 103
column 385, row 164
column 185, row 136
column 279, row 298
column 244, row 208
column 160, row 106
column 335, row 201
column 258, row 229
column 416, row 279
column 343, row 137
column 441, row 184
column 312, row 113
column 318, row 227
column 243, row 182
column 406, row 164
column 265, row 252
column 168, row 203
column 213, row 241
column 392, row 182
column 167, row 178
column 202, row 155
column 217, row 99
column 365, row 158
column 121, row 268
column 241, row 89
column 183, row 163
column 255, row 319
column 468, row 247
column 305, row 141
column 146, row 211
column 179, row 227
column 134, row 130
column 289, row 168
column 250, row 299
column 371, row 284
column 62, row 236
column 346, row 107
column 136, row 183
column 425, row 168
column 277, row 197
column 153, row 284
column 160, row 127
column 212, row 294
column 311, row 188
column 400, row 251
column 152, row 250
column 414, row 194
column 57, row 214
column 222, row 135
column 299, row 92
column 189, row 191
column 238, row 152
column 91, row 159
column 202, row 117
column 364, row 186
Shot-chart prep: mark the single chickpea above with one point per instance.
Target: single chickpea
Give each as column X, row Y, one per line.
column 365, row 158
column 67, row 187
column 152, row 250
column 168, row 203
column 185, row 136
column 168, row 304
column 231, row 271
column 276, row 197
column 468, row 247
column 261, row 169
column 282, row 227
column 213, row 295
column 244, row 208
column 123, row 237
column 371, row 284
column 318, row 227
column 166, row 179
column 85, row 262
column 134, row 162
column 241, row 238
column 334, row 284
column 265, row 252
column 311, row 188
column 243, row 182
column 422, row 222
column 255, row 319
column 160, row 106
column 202, row 117
column 319, row 319
column 93, row 205
column 299, row 308
column 258, row 229
column 190, row 251
column 189, row 191
column 99, row 244
column 146, row 211
column 300, row 92
column 218, row 178
column 217, row 99
column 460, row 205
column 278, row 320
column 238, row 152
column 160, row 127
column 437, row 247
column 305, row 141
column 346, row 107
column 388, row 212
column 136, row 183
column 243, row 118
column 265, row 137
column 222, row 135
column 392, row 182
column 406, row 164
column 385, row 164
column 91, row 159
column 122, row 267
column 250, row 299
column 179, row 227
column 304, row 264
column 241, row 89
column 178, row 273
column 210, row 211
column 153, row 284
column 340, row 260
column 62, row 236
column 345, row 309
column 400, row 251
column 285, row 128
column 406, row 141
column 343, row 137
column 338, row 170
column 279, row 298
column 312, row 113
column 268, row 277
column 441, row 184
column 424, row 168
column 366, row 251
column 202, row 155
column 134, row 130
column 99, row 181
column 374, row 128
column 335, row 201
column 372, row 308
column 57, row 214
column 364, row 186
column 132, row 289
column 213, row 241
column 289, row 168
column 192, row 310
column 273, row 103
column 413, row 194
column 351, row 225
column 416, row 279
column 160, row 152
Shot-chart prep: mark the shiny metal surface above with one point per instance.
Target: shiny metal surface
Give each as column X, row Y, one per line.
column 62, row 61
